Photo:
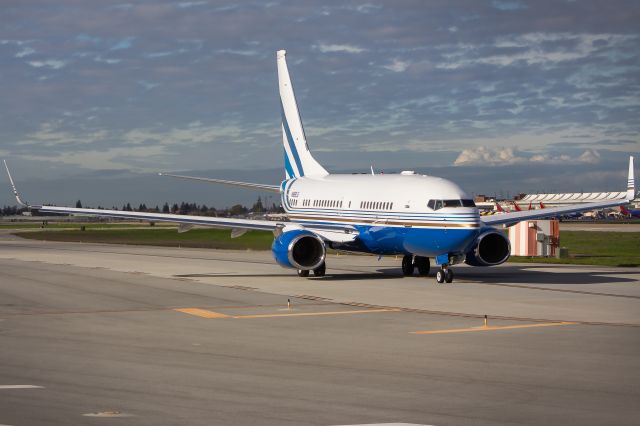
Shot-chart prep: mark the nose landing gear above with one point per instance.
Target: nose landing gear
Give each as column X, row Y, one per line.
column 444, row 275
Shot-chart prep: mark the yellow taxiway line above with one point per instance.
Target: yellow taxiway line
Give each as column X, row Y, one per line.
column 202, row 313
column 493, row 328
column 210, row 314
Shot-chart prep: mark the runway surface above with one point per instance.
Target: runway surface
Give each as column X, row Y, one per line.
column 96, row 334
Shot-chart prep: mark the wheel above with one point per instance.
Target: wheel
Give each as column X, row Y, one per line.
column 440, row 276
column 448, row 275
column 423, row 265
column 407, row 265
column 303, row 273
column 320, row 270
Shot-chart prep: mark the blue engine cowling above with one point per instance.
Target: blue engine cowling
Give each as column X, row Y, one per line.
column 299, row 249
column 491, row 248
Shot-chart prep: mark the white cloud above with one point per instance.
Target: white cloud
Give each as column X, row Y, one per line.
column 506, row 6
column 502, row 156
column 368, row 8
column 25, row 52
column 238, row 52
column 195, row 133
column 345, row 48
column 397, row 66
column 535, row 49
column 54, row 64
column 188, row 4
column 590, row 157
column 487, row 156
column 110, row 61
column 50, row 134
column 109, row 159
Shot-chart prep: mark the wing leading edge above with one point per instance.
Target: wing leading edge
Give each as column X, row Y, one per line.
column 219, row 222
column 515, row 217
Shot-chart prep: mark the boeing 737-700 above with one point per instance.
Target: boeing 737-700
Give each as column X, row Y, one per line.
column 420, row 217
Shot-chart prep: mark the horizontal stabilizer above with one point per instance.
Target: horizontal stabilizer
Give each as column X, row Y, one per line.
column 248, row 185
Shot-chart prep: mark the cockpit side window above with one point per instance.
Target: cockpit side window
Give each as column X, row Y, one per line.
column 438, row 205
column 432, row 204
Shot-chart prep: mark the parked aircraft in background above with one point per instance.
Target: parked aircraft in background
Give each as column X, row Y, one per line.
column 630, row 212
column 417, row 216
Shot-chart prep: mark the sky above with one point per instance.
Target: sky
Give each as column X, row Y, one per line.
column 501, row 96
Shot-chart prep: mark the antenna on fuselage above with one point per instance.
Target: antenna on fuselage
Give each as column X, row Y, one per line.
column 372, row 173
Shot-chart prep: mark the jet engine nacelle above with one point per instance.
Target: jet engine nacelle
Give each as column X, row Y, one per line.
column 491, row 248
column 299, row 249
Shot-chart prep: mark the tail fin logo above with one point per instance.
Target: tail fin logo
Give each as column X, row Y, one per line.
column 298, row 160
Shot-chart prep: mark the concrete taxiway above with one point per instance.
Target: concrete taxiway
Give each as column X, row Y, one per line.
column 97, row 333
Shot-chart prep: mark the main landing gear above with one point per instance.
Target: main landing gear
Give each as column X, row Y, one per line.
column 318, row 272
column 410, row 263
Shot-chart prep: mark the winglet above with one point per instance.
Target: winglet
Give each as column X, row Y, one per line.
column 13, row 186
column 631, row 183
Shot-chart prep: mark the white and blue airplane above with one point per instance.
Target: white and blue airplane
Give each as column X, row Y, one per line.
column 420, row 217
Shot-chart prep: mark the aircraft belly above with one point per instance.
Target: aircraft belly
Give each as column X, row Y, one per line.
column 435, row 241
column 420, row 241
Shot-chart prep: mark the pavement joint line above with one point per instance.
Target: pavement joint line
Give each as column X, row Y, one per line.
column 217, row 315
column 495, row 317
column 494, row 328
column 559, row 290
column 20, row 387
column 309, row 314
column 159, row 309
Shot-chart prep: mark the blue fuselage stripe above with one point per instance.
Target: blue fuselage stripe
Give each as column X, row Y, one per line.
column 292, row 146
column 287, row 165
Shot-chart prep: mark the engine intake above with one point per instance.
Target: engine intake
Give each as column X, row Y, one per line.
column 299, row 249
column 491, row 248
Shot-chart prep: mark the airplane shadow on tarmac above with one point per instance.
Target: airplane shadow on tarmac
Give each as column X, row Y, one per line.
column 530, row 275
column 506, row 274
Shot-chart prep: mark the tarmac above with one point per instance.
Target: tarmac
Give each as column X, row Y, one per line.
column 105, row 334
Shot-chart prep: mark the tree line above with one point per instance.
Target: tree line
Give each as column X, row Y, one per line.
column 183, row 208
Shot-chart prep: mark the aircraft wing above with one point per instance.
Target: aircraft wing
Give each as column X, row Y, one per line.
column 216, row 222
column 512, row 218
column 515, row 217
column 248, row 185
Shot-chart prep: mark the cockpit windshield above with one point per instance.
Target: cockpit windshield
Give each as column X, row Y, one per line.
column 438, row 204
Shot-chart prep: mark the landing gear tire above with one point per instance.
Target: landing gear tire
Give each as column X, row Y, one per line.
column 407, row 265
column 440, row 276
column 422, row 263
column 320, row 270
column 448, row 275
column 303, row 273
